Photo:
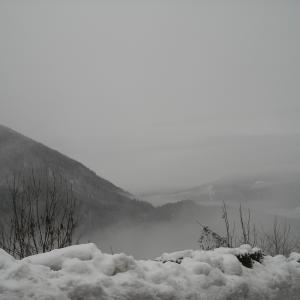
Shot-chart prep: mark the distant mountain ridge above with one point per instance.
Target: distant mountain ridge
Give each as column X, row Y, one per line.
column 102, row 202
column 275, row 193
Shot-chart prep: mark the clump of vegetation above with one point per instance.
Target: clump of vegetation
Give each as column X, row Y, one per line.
column 246, row 259
column 209, row 239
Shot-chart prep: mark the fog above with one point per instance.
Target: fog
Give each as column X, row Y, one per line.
column 147, row 241
column 151, row 239
column 136, row 90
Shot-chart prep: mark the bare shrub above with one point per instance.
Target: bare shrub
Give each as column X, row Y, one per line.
column 279, row 240
column 43, row 214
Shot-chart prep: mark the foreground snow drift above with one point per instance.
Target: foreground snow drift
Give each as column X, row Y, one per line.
column 83, row 272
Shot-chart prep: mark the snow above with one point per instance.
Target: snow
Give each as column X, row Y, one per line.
column 83, row 272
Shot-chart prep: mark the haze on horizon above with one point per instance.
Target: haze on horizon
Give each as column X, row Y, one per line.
column 153, row 94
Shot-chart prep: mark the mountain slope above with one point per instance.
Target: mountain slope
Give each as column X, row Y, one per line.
column 102, row 202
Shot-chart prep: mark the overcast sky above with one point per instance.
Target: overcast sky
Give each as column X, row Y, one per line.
column 154, row 94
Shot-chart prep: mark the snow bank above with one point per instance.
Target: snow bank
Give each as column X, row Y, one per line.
column 83, row 272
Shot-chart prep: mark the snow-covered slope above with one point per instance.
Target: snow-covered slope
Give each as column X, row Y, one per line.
column 84, row 272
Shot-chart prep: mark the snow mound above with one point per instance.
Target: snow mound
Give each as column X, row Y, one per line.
column 83, row 272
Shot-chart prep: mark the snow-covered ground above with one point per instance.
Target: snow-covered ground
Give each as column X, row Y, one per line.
column 83, row 272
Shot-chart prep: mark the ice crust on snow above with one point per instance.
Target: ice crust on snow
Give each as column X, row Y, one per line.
column 83, row 272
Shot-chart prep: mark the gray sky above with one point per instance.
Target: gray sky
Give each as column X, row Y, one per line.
column 154, row 94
